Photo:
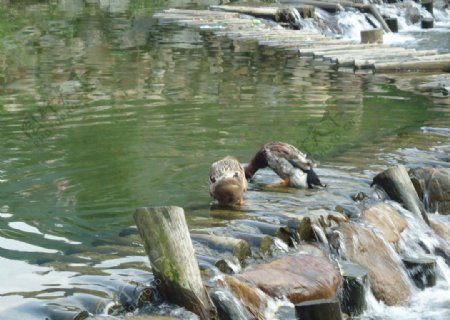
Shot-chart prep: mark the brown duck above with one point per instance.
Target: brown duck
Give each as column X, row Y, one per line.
column 227, row 182
column 288, row 162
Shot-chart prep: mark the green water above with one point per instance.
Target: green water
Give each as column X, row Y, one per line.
column 103, row 111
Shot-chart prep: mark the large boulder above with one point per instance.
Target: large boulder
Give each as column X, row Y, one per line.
column 300, row 278
column 387, row 220
column 387, row 277
column 433, row 187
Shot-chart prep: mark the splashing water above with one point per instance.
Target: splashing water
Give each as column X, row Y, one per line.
column 418, row 240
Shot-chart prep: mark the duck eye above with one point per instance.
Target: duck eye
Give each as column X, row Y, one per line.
column 236, row 175
column 213, row 180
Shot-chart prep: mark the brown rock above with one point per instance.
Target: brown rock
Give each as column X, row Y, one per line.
column 441, row 229
column 439, row 191
column 249, row 295
column 300, row 278
column 387, row 278
column 435, row 185
column 386, row 219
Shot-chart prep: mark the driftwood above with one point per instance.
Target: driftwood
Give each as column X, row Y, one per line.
column 397, row 184
column 165, row 235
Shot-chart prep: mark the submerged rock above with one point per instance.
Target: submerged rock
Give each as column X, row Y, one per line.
column 433, row 187
column 386, row 219
column 386, row 275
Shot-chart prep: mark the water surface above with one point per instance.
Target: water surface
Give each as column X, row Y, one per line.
column 104, row 110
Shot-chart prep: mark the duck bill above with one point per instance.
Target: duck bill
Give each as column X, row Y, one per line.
column 228, row 192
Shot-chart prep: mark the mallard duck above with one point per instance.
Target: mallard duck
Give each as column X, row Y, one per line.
column 288, row 162
column 227, row 182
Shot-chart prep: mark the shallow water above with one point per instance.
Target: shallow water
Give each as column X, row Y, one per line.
column 103, row 110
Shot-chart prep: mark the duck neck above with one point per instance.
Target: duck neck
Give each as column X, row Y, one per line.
column 259, row 161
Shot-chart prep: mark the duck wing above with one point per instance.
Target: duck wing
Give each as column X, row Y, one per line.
column 281, row 152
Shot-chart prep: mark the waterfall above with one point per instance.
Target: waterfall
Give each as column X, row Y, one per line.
column 431, row 303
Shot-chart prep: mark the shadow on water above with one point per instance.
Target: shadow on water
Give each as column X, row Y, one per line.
column 103, row 111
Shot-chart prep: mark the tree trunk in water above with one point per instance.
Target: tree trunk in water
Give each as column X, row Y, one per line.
column 166, row 239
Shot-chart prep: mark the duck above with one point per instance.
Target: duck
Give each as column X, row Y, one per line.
column 292, row 165
column 227, row 182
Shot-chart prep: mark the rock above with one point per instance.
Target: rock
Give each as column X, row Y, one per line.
column 386, row 219
column 441, row 229
column 301, row 277
column 387, row 277
column 322, row 309
column 311, row 249
column 439, row 191
column 422, row 270
column 433, row 187
column 254, row 300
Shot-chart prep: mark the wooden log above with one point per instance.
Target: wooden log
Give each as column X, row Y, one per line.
column 372, row 36
column 237, row 247
column 165, row 235
column 374, row 11
column 354, row 286
column 283, row 14
column 397, row 184
column 392, row 24
column 327, row 6
column 440, row 64
column 427, row 23
column 323, row 309
column 422, row 271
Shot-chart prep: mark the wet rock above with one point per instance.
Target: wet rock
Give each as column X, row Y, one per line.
column 228, row 307
column 311, row 249
column 300, row 278
column 355, row 282
column 386, row 219
column 322, row 309
column 422, row 270
column 441, row 229
column 433, row 187
column 386, row 275
column 253, row 299
column 351, row 211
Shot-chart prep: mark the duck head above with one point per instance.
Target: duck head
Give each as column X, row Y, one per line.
column 228, row 191
column 312, row 179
